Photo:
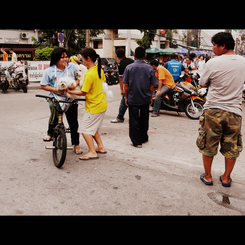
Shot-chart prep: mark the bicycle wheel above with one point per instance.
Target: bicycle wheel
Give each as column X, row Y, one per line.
column 60, row 144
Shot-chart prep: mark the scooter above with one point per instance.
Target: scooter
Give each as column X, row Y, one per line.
column 184, row 98
column 112, row 77
column 4, row 84
column 17, row 77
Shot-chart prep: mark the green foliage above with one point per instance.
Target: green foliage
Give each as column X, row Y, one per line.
column 43, row 53
column 146, row 41
column 74, row 39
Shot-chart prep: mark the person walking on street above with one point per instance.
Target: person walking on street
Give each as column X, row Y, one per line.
column 123, row 63
column 5, row 55
column 138, row 79
column 95, row 104
column 224, row 77
column 14, row 56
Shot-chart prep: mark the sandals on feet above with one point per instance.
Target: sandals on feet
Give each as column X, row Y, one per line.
column 47, row 138
column 225, row 184
column 87, row 158
column 77, row 152
column 204, row 181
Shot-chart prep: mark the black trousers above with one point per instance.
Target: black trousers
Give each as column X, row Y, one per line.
column 71, row 116
column 138, row 123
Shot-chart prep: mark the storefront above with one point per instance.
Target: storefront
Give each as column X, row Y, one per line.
column 22, row 53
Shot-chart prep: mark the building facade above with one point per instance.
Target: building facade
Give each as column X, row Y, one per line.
column 20, row 41
column 106, row 44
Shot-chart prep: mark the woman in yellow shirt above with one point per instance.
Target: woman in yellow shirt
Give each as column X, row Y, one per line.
column 95, row 104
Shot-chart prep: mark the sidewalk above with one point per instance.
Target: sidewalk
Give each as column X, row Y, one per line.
column 33, row 85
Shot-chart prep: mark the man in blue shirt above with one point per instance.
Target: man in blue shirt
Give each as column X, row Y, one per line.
column 174, row 67
column 138, row 79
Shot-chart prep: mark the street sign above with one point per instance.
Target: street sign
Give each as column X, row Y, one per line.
column 162, row 31
column 60, row 37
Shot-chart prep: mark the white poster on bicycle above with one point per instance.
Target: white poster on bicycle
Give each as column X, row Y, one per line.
column 36, row 69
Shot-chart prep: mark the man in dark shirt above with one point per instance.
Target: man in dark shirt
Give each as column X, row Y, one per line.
column 123, row 63
column 138, row 79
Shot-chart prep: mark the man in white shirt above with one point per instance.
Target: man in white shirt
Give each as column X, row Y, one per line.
column 224, row 76
column 14, row 56
column 189, row 64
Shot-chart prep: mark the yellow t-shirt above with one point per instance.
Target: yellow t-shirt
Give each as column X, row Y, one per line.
column 74, row 59
column 95, row 97
column 165, row 75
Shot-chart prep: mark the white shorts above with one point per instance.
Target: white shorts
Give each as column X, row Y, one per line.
column 91, row 123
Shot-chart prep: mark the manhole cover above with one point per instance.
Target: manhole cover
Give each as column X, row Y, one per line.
column 228, row 201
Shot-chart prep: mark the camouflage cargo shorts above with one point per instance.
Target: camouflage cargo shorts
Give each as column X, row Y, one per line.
column 220, row 126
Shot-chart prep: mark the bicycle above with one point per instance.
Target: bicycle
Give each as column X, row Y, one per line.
column 59, row 138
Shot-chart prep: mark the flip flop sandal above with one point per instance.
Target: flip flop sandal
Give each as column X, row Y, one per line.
column 225, row 184
column 204, row 181
column 101, row 152
column 87, row 158
column 45, row 140
column 155, row 115
column 77, row 151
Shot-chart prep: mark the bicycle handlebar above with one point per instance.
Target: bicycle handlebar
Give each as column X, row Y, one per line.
column 62, row 101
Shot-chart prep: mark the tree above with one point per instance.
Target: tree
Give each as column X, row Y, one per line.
column 146, row 41
column 169, row 37
column 74, row 39
column 43, row 53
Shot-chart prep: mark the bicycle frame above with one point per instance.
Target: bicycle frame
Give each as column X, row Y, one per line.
column 59, row 138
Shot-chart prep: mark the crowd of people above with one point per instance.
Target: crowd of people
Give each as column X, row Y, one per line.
column 221, row 121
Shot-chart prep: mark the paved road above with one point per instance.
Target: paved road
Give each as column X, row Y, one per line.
column 162, row 178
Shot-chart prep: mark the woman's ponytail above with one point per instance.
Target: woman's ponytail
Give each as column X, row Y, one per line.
column 99, row 66
column 89, row 52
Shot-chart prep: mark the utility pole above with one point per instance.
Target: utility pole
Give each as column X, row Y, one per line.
column 87, row 38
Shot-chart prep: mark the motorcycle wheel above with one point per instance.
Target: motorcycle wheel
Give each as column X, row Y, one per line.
column 5, row 86
column 16, row 85
column 24, row 88
column 194, row 113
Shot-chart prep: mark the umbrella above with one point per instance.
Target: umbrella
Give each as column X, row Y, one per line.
column 152, row 50
column 197, row 52
column 183, row 51
column 168, row 51
column 204, row 53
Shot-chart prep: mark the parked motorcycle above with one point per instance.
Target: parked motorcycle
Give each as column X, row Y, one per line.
column 4, row 84
column 110, row 68
column 112, row 77
column 184, row 98
column 16, row 76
